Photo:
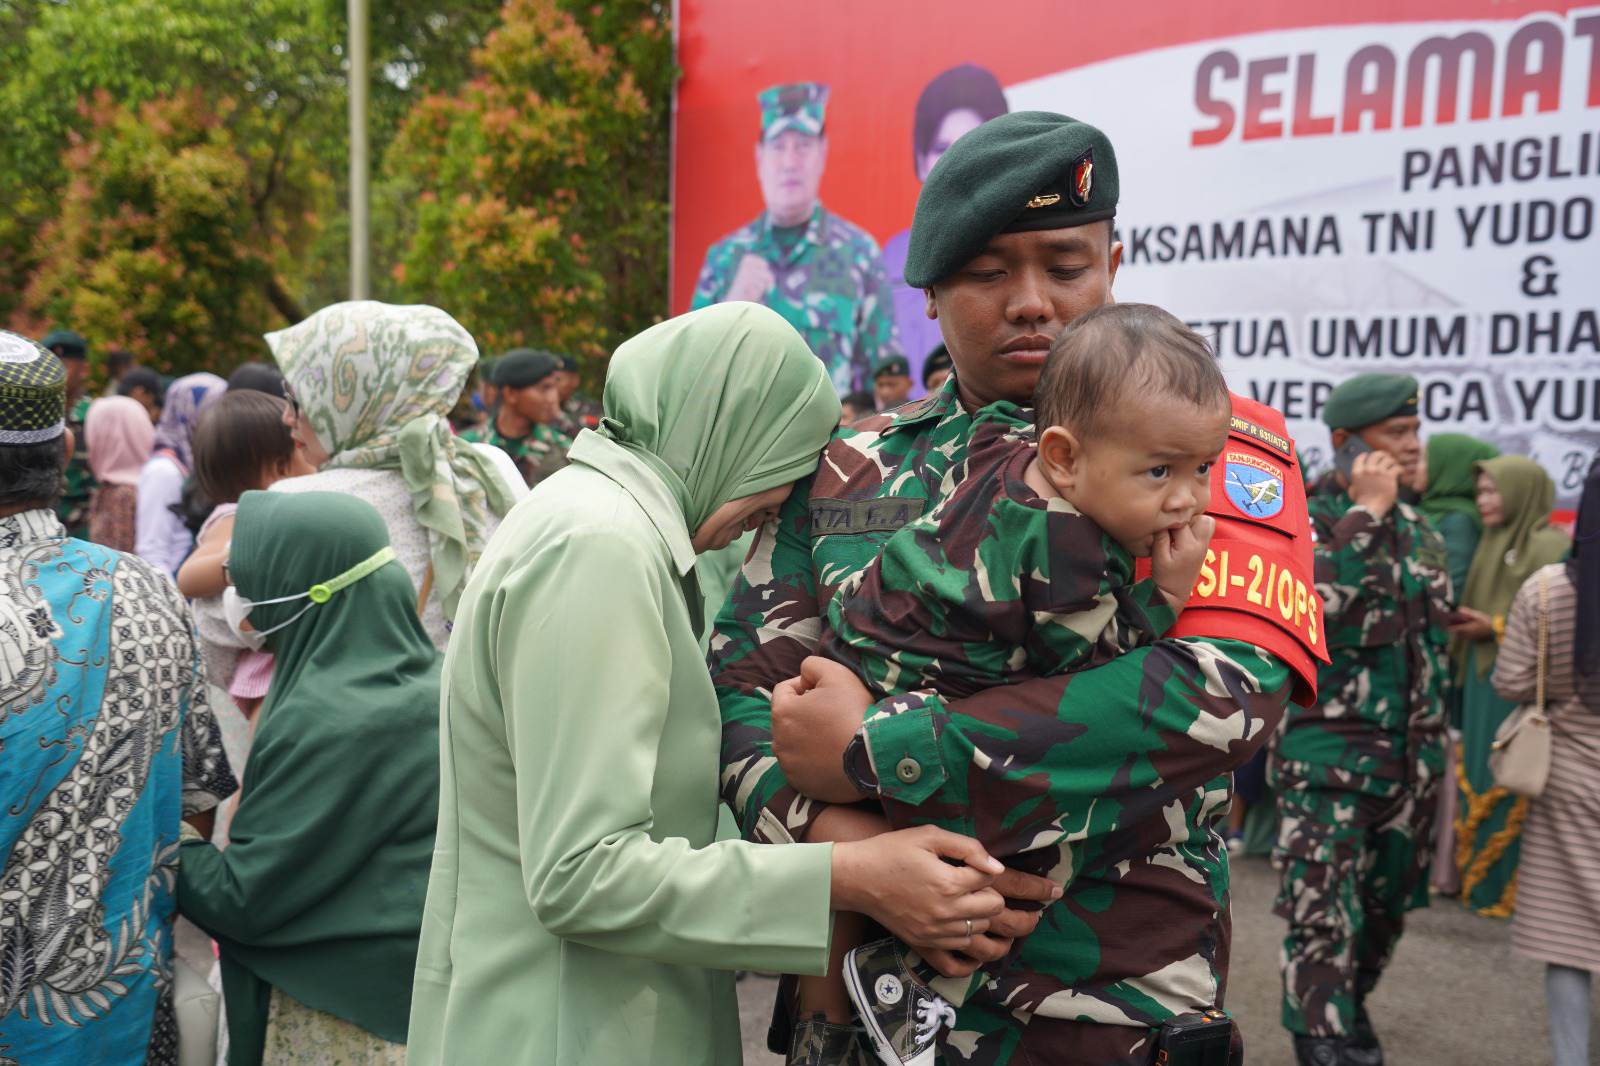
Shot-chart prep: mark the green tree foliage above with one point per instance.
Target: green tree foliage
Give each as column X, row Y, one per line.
column 272, row 73
column 161, row 240
column 533, row 200
column 273, row 59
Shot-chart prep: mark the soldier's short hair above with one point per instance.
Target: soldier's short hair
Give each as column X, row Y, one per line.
column 1123, row 350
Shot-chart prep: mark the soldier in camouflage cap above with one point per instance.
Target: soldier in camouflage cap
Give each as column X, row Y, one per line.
column 820, row 272
column 1356, row 774
column 523, row 423
column 891, row 382
column 1104, row 985
column 578, row 412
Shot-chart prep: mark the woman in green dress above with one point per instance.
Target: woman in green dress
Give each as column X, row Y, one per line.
column 1514, row 500
column 1447, row 481
column 580, row 910
column 316, row 903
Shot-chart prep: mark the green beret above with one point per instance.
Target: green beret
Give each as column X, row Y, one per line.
column 801, row 106
column 33, row 392
column 521, row 367
column 66, row 344
column 938, row 359
column 486, row 369
column 1358, row 402
column 569, row 363
column 894, row 364
column 1029, row 170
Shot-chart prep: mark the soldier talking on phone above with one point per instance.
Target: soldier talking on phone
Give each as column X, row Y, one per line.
column 1356, row 773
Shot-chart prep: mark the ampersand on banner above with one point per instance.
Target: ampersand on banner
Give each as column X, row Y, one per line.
column 1538, row 276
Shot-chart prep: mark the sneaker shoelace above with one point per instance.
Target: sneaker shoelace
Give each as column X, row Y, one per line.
column 932, row 1013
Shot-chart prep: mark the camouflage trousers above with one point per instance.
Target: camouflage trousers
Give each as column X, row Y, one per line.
column 988, row 1035
column 1351, row 865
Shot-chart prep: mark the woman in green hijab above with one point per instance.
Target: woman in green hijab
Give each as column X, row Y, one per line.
column 1448, row 482
column 1514, row 497
column 579, row 911
column 317, row 901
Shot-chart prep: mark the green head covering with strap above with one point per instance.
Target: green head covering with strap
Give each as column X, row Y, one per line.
column 378, row 383
column 320, row 891
column 1453, row 476
column 1509, row 553
column 720, row 403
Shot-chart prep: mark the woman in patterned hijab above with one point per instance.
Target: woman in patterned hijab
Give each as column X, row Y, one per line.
column 375, row 383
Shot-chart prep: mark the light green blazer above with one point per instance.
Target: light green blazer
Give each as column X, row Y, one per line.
column 579, row 910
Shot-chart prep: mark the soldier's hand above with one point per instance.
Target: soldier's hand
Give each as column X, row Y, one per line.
column 1375, row 482
column 814, row 716
column 903, row 881
column 985, row 948
column 1176, row 558
column 753, row 280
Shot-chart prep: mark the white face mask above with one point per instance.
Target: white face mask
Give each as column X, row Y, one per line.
column 236, row 608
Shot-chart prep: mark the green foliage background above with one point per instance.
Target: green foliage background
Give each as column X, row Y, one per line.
column 173, row 173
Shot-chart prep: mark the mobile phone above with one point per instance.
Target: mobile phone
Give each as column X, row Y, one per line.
column 1344, row 456
column 1204, row 1038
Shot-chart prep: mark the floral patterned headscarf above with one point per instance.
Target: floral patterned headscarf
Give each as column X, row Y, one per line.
column 376, row 383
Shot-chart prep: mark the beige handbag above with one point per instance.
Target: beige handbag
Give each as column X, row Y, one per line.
column 1520, row 756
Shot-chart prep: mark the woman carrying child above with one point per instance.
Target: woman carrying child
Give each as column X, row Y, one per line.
column 371, row 387
column 316, row 903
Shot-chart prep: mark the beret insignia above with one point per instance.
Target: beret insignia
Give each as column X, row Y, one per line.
column 1082, row 178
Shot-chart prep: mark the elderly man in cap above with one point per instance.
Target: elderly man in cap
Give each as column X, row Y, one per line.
column 820, row 272
column 891, row 382
column 73, row 351
column 1356, row 773
column 523, row 422
column 1011, row 242
column 107, row 742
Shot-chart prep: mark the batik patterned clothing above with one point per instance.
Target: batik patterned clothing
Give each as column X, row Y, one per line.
column 106, row 741
column 829, row 284
column 1126, row 763
column 1357, row 773
column 112, row 516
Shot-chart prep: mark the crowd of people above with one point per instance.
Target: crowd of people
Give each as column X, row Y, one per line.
column 559, row 713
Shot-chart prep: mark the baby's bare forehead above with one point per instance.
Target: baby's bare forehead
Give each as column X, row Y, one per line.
column 1170, row 425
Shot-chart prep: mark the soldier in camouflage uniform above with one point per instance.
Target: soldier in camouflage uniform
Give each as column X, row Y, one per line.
column 522, row 422
column 1012, row 242
column 578, row 412
column 73, row 507
column 1356, row 775
column 821, row 273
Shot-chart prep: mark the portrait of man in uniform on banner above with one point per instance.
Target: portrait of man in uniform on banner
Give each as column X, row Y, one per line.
column 821, row 272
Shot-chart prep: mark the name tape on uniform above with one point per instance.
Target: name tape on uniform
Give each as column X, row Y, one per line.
column 1276, row 441
column 882, row 514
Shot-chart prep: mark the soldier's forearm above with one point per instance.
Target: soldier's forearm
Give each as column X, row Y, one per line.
column 1028, row 760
